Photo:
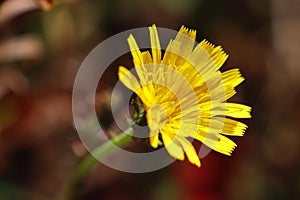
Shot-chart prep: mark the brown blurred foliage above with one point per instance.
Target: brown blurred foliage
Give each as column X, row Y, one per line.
column 42, row 44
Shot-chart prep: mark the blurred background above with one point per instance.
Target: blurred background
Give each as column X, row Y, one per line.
column 42, row 44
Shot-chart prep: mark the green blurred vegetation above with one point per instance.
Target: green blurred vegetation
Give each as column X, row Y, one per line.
column 42, row 46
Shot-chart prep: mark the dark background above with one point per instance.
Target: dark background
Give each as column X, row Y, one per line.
column 42, row 44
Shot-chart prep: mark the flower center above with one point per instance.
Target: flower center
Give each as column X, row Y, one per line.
column 158, row 114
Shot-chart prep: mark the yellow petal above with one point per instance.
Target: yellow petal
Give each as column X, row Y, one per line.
column 232, row 127
column 135, row 51
column 137, row 59
column 232, row 77
column 217, row 53
column 180, row 48
column 171, row 53
column 230, row 92
column 186, row 37
column 237, row 110
column 189, row 32
column 220, row 93
column 222, row 125
column 230, row 109
column 154, row 138
column 146, row 58
column 172, row 146
column 189, row 151
column 155, row 44
column 128, row 79
column 216, row 142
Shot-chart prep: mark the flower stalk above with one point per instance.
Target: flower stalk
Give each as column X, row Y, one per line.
column 103, row 150
column 91, row 159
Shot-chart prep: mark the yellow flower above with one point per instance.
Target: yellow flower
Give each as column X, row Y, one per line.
column 184, row 94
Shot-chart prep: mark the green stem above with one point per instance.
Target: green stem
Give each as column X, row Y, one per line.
column 91, row 159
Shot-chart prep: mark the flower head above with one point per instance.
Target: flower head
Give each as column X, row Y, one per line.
column 184, row 94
